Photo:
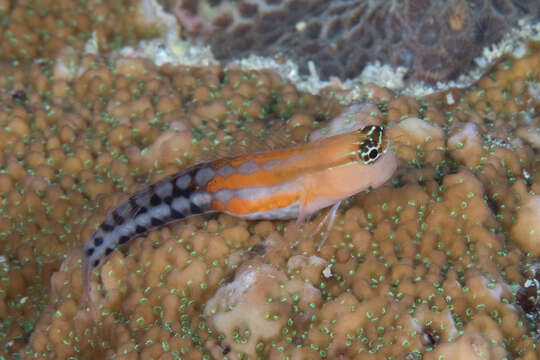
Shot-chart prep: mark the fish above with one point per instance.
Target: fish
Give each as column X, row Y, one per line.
column 291, row 183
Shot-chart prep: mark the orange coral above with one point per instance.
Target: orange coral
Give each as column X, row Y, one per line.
column 424, row 265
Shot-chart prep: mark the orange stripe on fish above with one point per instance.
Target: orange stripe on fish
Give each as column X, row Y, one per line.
column 241, row 207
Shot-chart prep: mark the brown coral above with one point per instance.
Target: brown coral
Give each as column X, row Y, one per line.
column 34, row 29
column 436, row 41
column 426, row 265
column 421, row 265
column 113, row 127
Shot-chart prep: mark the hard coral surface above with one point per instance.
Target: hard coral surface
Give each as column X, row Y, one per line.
column 436, row 40
column 426, row 265
column 38, row 28
column 79, row 132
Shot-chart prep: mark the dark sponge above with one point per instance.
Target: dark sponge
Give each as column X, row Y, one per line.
column 436, row 40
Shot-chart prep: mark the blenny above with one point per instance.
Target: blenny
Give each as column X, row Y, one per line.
column 283, row 184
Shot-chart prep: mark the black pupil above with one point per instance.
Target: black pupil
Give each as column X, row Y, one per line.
column 373, row 154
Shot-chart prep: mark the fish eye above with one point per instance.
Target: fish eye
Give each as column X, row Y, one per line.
column 372, row 144
column 370, row 155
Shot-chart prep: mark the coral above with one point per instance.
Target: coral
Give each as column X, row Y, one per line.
column 418, row 138
column 256, row 306
column 78, row 132
column 31, row 29
column 429, row 264
column 469, row 346
column 524, row 231
column 437, row 41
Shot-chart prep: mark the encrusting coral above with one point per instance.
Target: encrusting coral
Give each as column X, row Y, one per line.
column 423, row 265
column 110, row 130
column 434, row 40
column 32, row 29
column 436, row 263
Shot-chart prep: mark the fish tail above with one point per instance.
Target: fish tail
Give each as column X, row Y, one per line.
column 172, row 198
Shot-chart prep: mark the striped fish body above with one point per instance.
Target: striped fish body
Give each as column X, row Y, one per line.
column 170, row 199
column 284, row 184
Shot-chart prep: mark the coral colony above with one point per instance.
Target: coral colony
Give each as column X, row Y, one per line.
column 440, row 262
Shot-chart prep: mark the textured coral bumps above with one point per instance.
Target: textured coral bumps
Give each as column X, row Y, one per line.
column 79, row 132
column 526, row 229
column 435, row 40
column 39, row 28
column 427, row 264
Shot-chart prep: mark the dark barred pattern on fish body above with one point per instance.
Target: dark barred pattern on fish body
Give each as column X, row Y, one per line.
column 172, row 198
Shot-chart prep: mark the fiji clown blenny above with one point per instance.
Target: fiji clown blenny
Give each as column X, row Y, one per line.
column 282, row 184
